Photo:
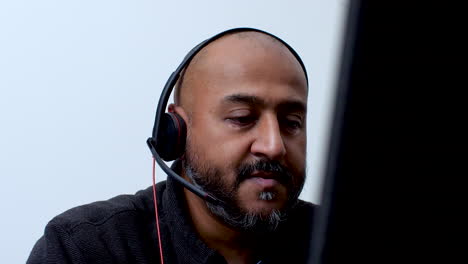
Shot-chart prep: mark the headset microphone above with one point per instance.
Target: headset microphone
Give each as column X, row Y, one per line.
column 191, row 187
column 170, row 131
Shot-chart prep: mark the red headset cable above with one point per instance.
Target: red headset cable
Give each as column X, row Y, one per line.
column 156, row 211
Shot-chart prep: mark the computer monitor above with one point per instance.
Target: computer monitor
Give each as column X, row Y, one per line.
column 387, row 156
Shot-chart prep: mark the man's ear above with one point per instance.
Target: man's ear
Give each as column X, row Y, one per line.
column 179, row 110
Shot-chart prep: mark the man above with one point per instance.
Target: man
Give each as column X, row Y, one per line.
column 244, row 100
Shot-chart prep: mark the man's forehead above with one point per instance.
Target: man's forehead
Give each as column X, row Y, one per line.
column 242, row 59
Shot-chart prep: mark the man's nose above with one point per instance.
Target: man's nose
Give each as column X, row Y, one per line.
column 268, row 141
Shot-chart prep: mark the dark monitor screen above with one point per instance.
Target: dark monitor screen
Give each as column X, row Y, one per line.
column 378, row 200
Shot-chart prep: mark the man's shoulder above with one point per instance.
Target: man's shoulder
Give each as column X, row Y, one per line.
column 119, row 229
column 100, row 213
column 305, row 208
column 307, row 205
column 300, row 220
column 295, row 234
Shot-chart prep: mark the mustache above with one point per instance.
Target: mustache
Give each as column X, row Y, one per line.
column 280, row 172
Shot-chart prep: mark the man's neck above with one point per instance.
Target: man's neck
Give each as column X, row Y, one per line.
column 233, row 245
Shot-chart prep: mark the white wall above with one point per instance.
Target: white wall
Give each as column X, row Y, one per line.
column 79, row 82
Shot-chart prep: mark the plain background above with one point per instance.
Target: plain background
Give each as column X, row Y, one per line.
column 79, row 83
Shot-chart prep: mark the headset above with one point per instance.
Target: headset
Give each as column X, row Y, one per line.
column 170, row 131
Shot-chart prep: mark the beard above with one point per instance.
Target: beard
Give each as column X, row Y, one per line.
column 213, row 180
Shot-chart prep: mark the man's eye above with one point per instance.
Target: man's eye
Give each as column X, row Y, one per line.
column 242, row 120
column 292, row 124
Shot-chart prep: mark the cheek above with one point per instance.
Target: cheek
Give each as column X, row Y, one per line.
column 296, row 152
column 218, row 147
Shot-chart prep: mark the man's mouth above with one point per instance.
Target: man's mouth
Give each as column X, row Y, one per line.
column 263, row 174
column 266, row 174
column 264, row 179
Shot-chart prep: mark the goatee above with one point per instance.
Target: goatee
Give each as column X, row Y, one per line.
column 210, row 180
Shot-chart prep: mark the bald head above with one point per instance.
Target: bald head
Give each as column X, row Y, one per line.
column 230, row 56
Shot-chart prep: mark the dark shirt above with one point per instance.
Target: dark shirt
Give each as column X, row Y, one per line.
column 122, row 230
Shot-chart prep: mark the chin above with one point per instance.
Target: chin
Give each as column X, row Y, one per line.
column 264, row 203
column 254, row 197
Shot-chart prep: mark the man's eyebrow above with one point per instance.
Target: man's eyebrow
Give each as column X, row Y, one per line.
column 290, row 105
column 244, row 99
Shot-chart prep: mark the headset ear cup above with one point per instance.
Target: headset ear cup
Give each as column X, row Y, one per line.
column 172, row 134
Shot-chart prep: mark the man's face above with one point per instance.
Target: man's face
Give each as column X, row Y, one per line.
column 247, row 125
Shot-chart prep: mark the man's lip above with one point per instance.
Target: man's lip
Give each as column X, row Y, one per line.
column 265, row 183
column 263, row 174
